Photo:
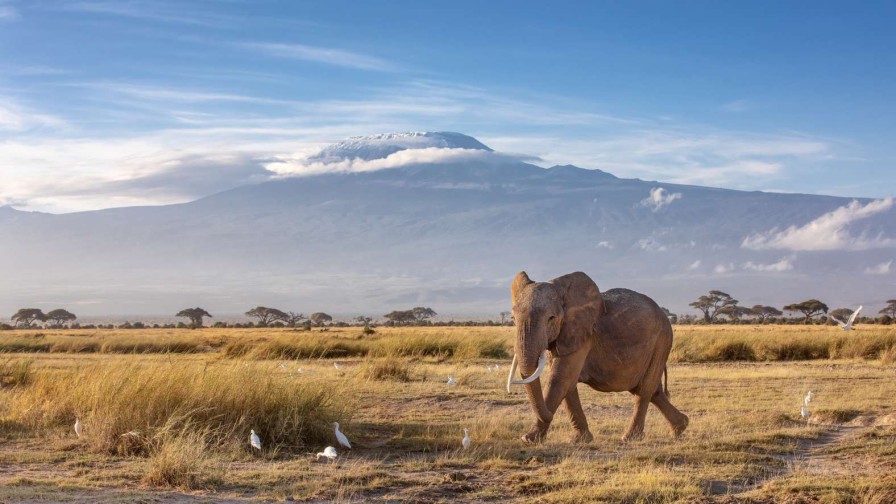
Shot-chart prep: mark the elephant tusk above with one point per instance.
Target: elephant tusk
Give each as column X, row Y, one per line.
column 510, row 374
column 541, row 363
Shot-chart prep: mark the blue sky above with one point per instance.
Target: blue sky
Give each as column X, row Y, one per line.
column 109, row 103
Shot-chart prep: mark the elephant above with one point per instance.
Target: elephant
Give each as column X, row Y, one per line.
column 613, row 341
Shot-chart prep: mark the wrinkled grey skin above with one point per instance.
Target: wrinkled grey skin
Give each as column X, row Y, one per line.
column 614, row 341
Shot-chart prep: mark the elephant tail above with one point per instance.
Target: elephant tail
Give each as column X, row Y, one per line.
column 666, row 378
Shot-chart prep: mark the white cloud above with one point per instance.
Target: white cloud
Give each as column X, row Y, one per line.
column 827, row 232
column 881, row 269
column 694, row 265
column 737, row 106
column 721, row 269
column 784, row 264
column 15, row 117
column 299, row 165
column 8, row 13
column 605, row 244
column 650, row 244
column 659, row 198
column 327, row 55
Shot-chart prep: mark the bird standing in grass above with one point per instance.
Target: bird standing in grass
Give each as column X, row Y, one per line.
column 78, row 427
column 254, row 440
column 808, row 398
column 466, row 441
column 804, row 412
column 452, row 381
column 341, row 437
column 328, row 452
column 337, row 366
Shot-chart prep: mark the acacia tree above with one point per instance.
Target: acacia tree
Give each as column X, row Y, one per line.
column 422, row 313
column 60, row 316
column 195, row 315
column 266, row 315
column 673, row 318
column 27, row 316
column 890, row 309
column 320, row 318
column 505, row 316
column 735, row 312
column 763, row 313
column 293, row 319
column 713, row 304
column 364, row 320
column 840, row 313
column 400, row 317
column 809, row 308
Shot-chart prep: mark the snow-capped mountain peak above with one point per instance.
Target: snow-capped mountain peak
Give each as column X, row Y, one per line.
column 382, row 145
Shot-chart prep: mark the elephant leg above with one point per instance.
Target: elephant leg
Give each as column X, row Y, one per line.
column 635, row 429
column 577, row 416
column 677, row 419
column 564, row 376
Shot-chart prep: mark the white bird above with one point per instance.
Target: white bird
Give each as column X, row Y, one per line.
column 808, row 398
column 804, row 412
column 337, row 366
column 78, row 427
column 328, row 452
column 466, row 441
column 254, row 441
column 341, row 437
column 847, row 326
column 452, row 381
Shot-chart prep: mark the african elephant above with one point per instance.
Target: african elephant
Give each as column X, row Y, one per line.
column 615, row 341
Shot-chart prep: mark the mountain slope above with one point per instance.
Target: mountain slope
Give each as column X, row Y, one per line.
column 448, row 234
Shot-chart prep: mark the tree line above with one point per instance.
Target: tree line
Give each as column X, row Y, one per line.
column 262, row 316
column 721, row 307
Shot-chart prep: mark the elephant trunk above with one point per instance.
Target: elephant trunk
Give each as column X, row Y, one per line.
column 531, row 359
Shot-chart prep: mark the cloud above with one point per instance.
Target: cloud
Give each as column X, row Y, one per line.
column 15, row 117
column 659, row 198
column 326, row 55
column 827, row 232
column 300, row 164
column 8, row 13
column 694, row 265
column 650, row 244
column 881, row 269
column 604, row 244
column 784, row 264
column 737, row 106
column 721, row 269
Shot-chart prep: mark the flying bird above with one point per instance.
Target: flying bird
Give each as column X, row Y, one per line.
column 847, row 326
column 341, row 437
column 78, row 427
column 254, row 441
column 466, row 441
column 328, row 452
column 452, row 381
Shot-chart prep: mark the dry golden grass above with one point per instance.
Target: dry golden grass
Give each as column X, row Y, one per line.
column 193, row 412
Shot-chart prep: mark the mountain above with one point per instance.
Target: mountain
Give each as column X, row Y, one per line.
column 447, row 226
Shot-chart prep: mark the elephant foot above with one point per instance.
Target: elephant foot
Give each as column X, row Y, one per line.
column 583, row 437
column 679, row 427
column 535, row 436
column 633, row 435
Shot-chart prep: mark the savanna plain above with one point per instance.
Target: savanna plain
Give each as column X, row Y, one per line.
column 166, row 416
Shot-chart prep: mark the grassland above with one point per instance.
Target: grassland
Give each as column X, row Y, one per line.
column 166, row 415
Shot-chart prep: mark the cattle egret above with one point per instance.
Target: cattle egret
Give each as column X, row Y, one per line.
column 328, row 452
column 452, row 381
column 341, row 437
column 808, row 398
column 254, row 441
column 847, row 326
column 466, row 441
column 78, row 426
column 804, row 412
column 337, row 366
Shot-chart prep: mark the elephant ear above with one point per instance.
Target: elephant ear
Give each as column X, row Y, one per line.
column 520, row 281
column 583, row 306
